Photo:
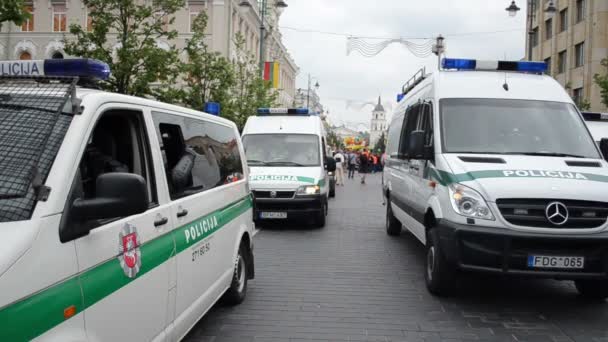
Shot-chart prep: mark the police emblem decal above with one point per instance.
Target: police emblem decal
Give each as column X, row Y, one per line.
column 129, row 253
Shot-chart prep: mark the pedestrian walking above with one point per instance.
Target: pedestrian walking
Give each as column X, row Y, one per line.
column 340, row 161
column 352, row 164
column 363, row 165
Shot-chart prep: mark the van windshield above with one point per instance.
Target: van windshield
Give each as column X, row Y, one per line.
column 282, row 149
column 501, row 126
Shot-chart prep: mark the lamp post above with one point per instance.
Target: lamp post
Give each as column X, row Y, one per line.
column 531, row 15
column 308, row 91
column 245, row 5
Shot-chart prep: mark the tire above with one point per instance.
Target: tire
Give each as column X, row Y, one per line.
column 321, row 217
column 393, row 226
column 439, row 275
column 592, row 289
column 238, row 288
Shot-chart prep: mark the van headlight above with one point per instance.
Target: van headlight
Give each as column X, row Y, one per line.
column 468, row 202
column 309, row 190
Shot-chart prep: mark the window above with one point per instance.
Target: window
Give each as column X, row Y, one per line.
column 88, row 20
column 57, row 55
column 563, row 20
column 534, row 36
column 577, row 96
column 580, row 10
column 25, row 56
column 579, row 55
column 394, row 135
column 561, row 62
column 195, row 10
column 59, row 18
column 411, row 124
column 28, row 25
column 426, row 123
column 198, row 155
column 548, row 62
column 549, row 29
column 280, row 150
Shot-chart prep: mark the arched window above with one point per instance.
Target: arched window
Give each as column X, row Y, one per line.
column 25, row 56
column 57, row 55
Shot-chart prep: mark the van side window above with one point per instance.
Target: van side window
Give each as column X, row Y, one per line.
column 410, row 125
column 118, row 144
column 198, row 155
column 426, row 123
column 394, row 134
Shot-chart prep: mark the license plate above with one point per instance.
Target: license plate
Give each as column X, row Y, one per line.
column 273, row 215
column 564, row 262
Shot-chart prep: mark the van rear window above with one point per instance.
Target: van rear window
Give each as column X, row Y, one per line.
column 34, row 118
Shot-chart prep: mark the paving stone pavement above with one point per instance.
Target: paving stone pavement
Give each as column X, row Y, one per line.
column 351, row 282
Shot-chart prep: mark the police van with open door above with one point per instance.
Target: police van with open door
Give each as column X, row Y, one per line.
column 287, row 153
column 121, row 218
column 492, row 168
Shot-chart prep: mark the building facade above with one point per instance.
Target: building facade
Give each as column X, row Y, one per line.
column 310, row 100
column 378, row 124
column 573, row 42
column 41, row 37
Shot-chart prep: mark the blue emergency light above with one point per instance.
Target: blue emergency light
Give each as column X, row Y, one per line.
column 83, row 67
column 480, row 65
column 282, row 111
column 212, row 108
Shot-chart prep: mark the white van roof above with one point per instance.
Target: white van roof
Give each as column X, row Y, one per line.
column 283, row 124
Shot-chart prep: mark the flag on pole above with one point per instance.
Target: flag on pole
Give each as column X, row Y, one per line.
column 271, row 73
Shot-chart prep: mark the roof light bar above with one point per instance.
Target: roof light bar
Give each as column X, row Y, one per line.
column 283, row 111
column 591, row 116
column 83, row 68
column 480, row 65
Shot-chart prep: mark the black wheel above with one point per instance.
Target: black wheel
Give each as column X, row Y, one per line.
column 593, row 289
column 393, row 226
column 440, row 276
column 321, row 218
column 238, row 289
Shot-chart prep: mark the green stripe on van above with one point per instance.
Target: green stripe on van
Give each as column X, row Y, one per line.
column 40, row 312
column 281, row 178
column 445, row 178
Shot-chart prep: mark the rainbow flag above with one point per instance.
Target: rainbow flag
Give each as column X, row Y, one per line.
column 271, row 73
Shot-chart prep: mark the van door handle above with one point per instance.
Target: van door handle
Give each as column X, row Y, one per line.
column 182, row 213
column 413, row 167
column 161, row 222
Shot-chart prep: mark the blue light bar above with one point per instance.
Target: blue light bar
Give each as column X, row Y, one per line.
column 480, row 65
column 212, row 108
column 283, row 111
column 83, row 68
column 400, row 97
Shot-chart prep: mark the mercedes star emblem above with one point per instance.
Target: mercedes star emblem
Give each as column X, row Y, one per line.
column 273, row 194
column 557, row 213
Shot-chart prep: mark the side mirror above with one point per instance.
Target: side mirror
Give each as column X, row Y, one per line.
column 604, row 147
column 416, row 148
column 330, row 164
column 118, row 195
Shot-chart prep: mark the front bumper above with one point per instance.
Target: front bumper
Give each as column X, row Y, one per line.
column 504, row 251
column 304, row 207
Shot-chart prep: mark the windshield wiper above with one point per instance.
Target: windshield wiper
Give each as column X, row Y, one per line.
column 547, row 154
column 285, row 163
column 254, row 161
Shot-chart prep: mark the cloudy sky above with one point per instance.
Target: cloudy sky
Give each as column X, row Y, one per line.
column 466, row 24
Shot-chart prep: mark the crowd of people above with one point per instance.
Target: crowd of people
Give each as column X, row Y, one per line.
column 351, row 162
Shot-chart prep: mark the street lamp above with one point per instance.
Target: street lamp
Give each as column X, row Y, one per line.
column 245, row 5
column 550, row 11
column 308, row 91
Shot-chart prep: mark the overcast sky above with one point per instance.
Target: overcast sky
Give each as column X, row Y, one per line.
column 360, row 78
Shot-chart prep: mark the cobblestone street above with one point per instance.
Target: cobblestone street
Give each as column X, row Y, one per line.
column 351, row 282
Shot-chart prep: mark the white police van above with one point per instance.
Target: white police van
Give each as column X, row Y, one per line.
column 598, row 125
column 287, row 153
column 121, row 218
column 492, row 168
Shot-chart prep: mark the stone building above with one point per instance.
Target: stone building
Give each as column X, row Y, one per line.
column 378, row 124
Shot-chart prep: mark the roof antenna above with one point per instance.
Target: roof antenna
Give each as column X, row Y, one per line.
column 505, row 86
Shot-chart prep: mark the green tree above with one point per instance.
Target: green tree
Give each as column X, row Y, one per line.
column 13, row 11
column 602, row 82
column 206, row 75
column 138, row 64
column 250, row 91
column 380, row 144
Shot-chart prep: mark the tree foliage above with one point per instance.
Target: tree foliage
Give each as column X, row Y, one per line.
column 602, row 82
column 137, row 62
column 380, row 144
column 13, row 11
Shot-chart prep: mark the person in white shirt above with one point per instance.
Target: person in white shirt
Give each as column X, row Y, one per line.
column 340, row 161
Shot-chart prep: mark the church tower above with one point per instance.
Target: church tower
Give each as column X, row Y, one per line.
column 378, row 123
